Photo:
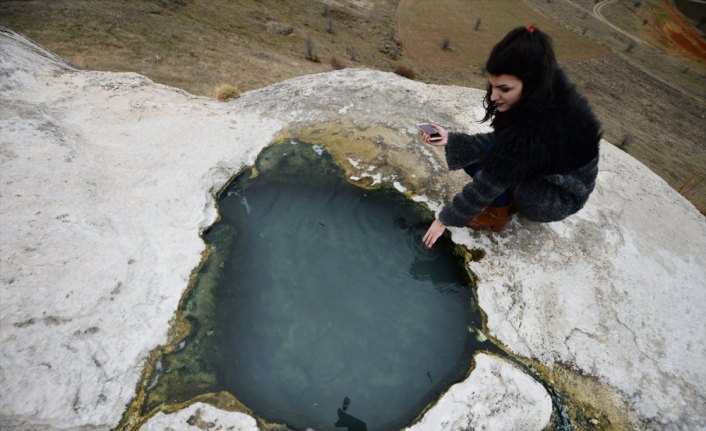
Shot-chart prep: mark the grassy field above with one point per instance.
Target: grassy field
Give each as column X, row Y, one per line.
column 650, row 98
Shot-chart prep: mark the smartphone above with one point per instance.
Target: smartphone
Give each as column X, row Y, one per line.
column 430, row 130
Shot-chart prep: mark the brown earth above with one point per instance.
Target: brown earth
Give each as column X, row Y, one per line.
column 649, row 98
column 684, row 37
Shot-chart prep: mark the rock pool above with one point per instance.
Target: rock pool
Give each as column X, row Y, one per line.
column 318, row 307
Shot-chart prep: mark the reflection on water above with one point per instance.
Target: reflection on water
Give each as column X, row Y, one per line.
column 322, row 292
column 350, row 422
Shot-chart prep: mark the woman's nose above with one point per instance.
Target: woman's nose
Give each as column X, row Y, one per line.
column 494, row 96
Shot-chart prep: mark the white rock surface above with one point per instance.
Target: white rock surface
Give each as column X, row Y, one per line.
column 617, row 291
column 106, row 181
column 496, row 396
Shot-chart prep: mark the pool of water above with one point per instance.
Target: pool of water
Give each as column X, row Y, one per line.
column 324, row 310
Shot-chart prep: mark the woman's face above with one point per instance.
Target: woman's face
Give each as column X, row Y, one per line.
column 506, row 90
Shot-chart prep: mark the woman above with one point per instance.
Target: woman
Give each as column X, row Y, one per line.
column 541, row 159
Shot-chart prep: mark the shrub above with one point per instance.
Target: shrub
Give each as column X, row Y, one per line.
column 395, row 52
column 310, row 53
column 405, row 72
column 337, row 65
column 226, row 92
column 329, row 19
column 352, row 53
column 446, row 44
column 625, row 142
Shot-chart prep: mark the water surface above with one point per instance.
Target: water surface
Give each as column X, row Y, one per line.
column 325, row 310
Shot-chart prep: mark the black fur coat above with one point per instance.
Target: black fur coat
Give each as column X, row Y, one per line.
column 545, row 152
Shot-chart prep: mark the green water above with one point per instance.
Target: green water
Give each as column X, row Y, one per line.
column 319, row 308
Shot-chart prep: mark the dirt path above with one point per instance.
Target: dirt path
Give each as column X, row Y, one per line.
column 597, row 12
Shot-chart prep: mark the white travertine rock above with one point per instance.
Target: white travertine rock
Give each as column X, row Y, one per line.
column 106, row 181
column 496, row 396
column 617, row 291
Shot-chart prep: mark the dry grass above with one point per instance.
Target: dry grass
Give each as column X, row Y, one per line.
column 226, row 92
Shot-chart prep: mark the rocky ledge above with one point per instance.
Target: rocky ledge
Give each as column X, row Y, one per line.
column 107, row 181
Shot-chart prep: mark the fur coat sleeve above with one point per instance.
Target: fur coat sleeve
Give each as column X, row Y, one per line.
column 472, row 199
column 463, row 149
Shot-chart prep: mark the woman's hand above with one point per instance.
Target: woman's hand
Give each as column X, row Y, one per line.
column 426, row 137
column 433, row 233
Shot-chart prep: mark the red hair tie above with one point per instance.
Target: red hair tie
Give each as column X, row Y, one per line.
column 530, row 28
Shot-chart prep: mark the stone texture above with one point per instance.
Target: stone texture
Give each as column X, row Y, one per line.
column 106, row 182
column 617, row 291
column 496, row 396
column 107, row 179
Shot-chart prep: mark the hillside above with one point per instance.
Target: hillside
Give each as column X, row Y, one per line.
column 648, row 94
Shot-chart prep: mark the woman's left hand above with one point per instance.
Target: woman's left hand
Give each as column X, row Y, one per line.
column 426, row 137
column 433, row 233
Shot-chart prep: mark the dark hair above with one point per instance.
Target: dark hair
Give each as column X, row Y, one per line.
column 527, row 53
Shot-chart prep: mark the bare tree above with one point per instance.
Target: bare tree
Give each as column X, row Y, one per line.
column 395, row 52
column 310, row 53
column 625, row 142
column 329, row 19
column 352, row 54
column 446, row 44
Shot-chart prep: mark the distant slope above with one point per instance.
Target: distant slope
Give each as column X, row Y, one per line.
column 199, row 45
